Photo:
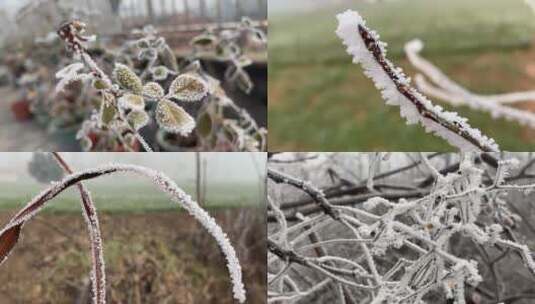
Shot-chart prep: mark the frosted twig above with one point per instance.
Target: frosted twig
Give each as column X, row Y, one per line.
column 404, row 244
column 366, row 48
column 98, row 272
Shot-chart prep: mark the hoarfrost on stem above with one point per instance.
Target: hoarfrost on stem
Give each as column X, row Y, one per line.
column 366, row 48
column 164, row 183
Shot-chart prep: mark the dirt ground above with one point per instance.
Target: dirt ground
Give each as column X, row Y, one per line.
column 163, row 257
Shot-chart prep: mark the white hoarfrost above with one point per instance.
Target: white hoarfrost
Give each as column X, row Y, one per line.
column 166, row 185
column 396, row 90
column 406, row 241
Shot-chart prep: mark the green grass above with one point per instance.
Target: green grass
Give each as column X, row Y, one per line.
column 319, row 101
column 136, row 198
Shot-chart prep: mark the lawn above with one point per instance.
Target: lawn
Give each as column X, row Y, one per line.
column 131, row 198
column 319, row 101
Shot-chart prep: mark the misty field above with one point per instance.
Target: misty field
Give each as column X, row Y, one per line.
column 141, row 197
column 320, row 101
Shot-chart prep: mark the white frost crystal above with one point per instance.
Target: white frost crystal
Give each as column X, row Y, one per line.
column 395, row 89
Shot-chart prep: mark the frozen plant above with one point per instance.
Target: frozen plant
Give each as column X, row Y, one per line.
column 398, row 242
column 123, row 99
column 366, row 48
column 150, row 91
column 11, row 233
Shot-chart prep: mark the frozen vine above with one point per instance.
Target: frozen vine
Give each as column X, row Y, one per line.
column 366, row 48
column 11, row 233
column 393, row 244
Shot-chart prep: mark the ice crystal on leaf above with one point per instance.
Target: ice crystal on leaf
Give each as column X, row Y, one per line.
column 108, row 108
column 70, row 74
column 127, row 79
column 160, row 73
column 366, row 48
column 132, row 101
column 188, row 87
column 173, row 118
column 137, row 119
column 153, row 91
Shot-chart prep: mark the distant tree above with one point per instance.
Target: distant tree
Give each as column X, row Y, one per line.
column 44, row 168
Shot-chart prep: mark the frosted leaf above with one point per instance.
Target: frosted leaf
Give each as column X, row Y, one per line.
column 188, row 87
column 70, row 74
column 244, row 61
column 205, row 125
column 153, row 91
column 132, row 101
column 173, row 118
column 86, row 143
column 160, row 73
column 70, row 71
column 137, row 119
column 127, row 79
column 107, row 108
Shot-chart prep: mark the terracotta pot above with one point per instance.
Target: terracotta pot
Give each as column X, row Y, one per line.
column 21, row 110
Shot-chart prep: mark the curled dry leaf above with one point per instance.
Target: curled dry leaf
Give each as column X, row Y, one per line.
column 173, row 118
column 8, row 240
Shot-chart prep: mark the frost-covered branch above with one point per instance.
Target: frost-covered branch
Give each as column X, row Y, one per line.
column 366, row 48
column 393, row 249
column 98, row 273
column 11, row 233
column 447, row 90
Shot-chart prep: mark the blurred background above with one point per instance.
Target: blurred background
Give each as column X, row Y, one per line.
column 32, row 118
column 320, row 101
column 155, row 252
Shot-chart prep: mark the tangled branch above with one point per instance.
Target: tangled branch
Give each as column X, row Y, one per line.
column 380, row 245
